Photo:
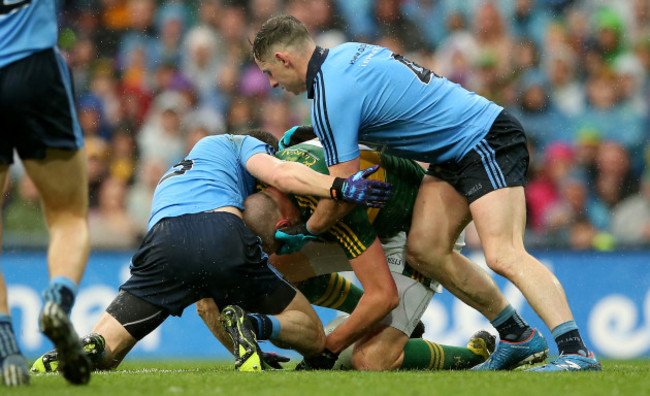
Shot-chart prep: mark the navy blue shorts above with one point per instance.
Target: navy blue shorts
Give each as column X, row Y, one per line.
column 187, row 258
column 36, row 107
column 499, row 160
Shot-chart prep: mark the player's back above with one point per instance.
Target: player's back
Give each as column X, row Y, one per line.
column 26, row 27
column 405, row 109
column 213, row 175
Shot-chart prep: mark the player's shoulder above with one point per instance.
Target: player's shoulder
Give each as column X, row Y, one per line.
column 309, row 153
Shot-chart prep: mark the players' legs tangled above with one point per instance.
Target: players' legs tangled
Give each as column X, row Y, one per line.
column 439, row 216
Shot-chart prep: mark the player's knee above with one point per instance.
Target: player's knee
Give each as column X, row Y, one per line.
column 504, row 261
column 318, row 335
column 423, row 254
column 374, row 358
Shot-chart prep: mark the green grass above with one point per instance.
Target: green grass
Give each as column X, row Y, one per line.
column 185, row 378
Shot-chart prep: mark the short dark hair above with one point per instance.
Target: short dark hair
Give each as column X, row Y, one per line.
column 264, row 136
column 282, row 29
column 260, row 214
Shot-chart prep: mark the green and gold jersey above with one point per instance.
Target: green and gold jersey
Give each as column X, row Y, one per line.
column 359, row 228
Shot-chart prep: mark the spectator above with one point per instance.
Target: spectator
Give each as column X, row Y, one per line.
column 605, row 115
column 23, row 219
column 541, row 119
column 543, row 189
column 161, row 136
column 631, row 218
column 126, row 55
column 110, row 225
column 614, row 181
column 138, row 199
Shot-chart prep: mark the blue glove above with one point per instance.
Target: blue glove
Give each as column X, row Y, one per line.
column 295, row 135
column 358, row 189
column 294, row 238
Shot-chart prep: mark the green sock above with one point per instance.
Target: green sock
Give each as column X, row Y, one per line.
column 331, row 291
column 420, row 354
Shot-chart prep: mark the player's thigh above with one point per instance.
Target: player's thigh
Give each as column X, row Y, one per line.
column 500, row 219
column 439, row 216
column 61, row 179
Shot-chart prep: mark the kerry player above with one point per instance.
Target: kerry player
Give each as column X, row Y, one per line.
column 381, row 342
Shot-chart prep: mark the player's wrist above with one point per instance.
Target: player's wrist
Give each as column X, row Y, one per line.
column 336, row 190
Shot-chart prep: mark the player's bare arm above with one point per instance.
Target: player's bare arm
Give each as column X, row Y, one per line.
column 296, row 178
column 379, row 298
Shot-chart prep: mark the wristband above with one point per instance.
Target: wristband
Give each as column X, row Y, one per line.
column 335, row 190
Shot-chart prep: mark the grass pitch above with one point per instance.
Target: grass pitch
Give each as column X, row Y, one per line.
column 185, row 378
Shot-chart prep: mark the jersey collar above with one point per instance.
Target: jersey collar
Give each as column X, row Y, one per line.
column 317, row 59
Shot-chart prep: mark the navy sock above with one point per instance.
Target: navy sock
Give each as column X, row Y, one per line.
column 568, row 339
column 261, row 324
column 61, row 290
column 8, row 344
column 511, row 326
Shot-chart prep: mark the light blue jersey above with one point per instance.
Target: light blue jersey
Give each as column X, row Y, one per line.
column 366, row 94
column 26, row 27
column 213, row 175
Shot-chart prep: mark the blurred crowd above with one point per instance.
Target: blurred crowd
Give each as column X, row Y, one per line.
column 152, row 77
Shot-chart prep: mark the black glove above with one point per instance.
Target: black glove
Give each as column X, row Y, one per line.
column 324, row 361
column 295, row 135
column 272, row 360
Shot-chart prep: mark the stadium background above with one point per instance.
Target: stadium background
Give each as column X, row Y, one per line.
column 152, row 77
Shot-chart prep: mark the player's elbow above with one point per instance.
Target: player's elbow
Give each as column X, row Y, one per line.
column 283, row 176
column 384, row 301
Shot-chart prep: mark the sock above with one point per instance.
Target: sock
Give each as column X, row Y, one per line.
column 62, row 291
column 421, row 354
column 568, row 339
column 8, row 344
column 331, row 291
column 511, row 326
column 265, row 327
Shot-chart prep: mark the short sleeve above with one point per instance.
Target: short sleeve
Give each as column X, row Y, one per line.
column 336, row 117
column 249, row 146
